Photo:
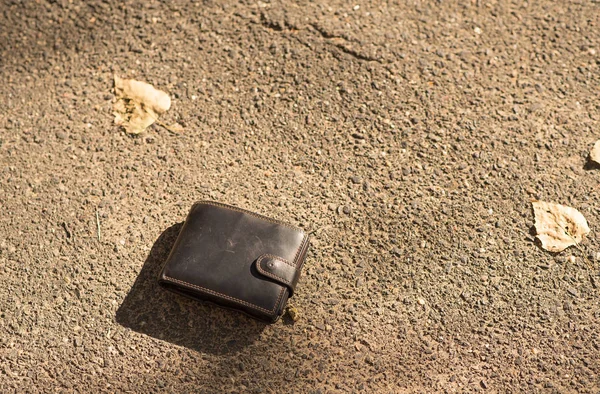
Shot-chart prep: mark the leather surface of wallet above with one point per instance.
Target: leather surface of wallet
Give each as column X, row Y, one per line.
column 236, row 259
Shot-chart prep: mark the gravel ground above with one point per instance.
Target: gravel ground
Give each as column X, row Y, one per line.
column 408, row 137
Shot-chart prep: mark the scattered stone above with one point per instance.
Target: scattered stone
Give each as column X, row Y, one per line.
column 347, row 210
column 448, row 267
column 573, row 292
column 293, row 313
column 355, row 179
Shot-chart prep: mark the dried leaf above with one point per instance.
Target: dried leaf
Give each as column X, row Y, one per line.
column 595, row 152
column 138, row 104
column 558, row 226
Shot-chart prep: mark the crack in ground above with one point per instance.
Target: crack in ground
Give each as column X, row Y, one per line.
column 356, row 54
column 282, row 26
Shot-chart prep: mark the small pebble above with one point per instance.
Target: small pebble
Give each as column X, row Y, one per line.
column 573, row 292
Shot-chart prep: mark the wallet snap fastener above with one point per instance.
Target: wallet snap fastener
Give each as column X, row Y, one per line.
column 279, row 269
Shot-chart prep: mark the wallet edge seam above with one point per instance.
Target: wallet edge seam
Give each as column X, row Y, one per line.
column 242, row 210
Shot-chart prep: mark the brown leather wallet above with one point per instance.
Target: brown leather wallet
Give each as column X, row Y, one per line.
column 236, row 259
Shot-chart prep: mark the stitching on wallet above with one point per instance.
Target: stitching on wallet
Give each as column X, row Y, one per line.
column 270, row 274
column 302, row 244
column 218, row 204
column 223, row 295
column 278, row 258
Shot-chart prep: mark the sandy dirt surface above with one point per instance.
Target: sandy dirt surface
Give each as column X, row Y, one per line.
column 409, row 137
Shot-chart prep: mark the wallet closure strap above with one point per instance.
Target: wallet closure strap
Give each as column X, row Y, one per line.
column 279, row 269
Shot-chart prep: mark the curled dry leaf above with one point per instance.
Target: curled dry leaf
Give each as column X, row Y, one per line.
column 558, row 226
column 595, row 153
column 138, row 104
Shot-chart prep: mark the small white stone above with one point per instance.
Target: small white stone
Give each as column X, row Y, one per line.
column 421, row 301
column 477, row 30
column 571, row 259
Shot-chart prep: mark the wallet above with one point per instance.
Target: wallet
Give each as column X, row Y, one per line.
column 236, row 259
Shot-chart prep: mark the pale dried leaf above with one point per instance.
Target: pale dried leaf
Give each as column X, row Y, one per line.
column 558, row 226
column 138, row 104
column 595, row 152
